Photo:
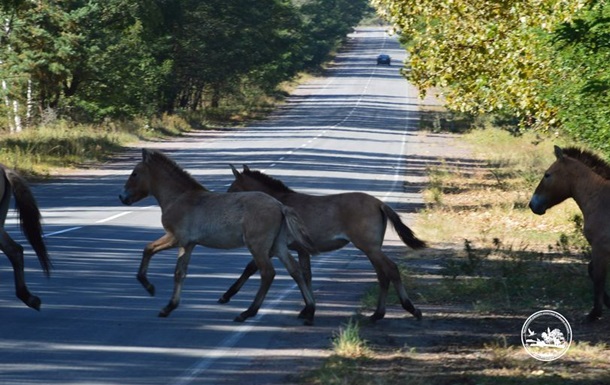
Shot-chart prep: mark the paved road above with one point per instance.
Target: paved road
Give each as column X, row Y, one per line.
column 349, row 131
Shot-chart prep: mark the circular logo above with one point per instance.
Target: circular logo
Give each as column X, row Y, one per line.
column 546, row 335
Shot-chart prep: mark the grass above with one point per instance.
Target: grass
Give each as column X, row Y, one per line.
column 348, row 343
column 37, row 151
column 497, row 264
column 58, row 144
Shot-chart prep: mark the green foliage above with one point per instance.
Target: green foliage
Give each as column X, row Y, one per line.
column 581, row 91
column 486, row 56
column 90, row 60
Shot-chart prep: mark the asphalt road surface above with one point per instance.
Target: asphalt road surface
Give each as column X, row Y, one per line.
column 349, row 131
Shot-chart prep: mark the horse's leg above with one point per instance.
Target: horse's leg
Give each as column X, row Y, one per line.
column 305, row 263
column 165, row 242
column 384, row 285
column 267, row 272
column 184, row 256
column 606, row 297
column 597, row 271
column 387, row 272
column 14, row 252
column 297, row 274
column 250, row 269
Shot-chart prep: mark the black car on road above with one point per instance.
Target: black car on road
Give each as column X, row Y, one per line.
column 383, row 59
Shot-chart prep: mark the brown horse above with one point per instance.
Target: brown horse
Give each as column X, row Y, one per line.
column 334, row 221
column 29, row 218
column 584, row 177
column 192, row 215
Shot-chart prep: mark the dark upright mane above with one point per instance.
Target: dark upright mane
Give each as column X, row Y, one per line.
column 274, row 184
column 594, row 162
column 160, row 160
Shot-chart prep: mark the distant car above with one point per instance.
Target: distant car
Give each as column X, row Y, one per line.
column 383, row 59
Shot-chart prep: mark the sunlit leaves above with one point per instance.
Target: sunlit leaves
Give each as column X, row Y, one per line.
column 484, row 55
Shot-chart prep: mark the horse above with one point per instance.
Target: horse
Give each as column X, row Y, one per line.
column 585, row 177
column 333, row 222
column 11, row 183
column 192, row 215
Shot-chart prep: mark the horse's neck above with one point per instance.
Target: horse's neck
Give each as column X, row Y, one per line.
column 257, row 186
column 587, row 190
column 168, row 189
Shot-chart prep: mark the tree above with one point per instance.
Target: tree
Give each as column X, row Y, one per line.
column 581, row 86
column 484, row 55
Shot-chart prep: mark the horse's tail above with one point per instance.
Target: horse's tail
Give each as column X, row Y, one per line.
column 404, row 232
column 29, row 217
column 297, row 230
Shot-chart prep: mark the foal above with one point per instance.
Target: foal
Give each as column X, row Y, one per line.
column 192, row 215
column 333, row 222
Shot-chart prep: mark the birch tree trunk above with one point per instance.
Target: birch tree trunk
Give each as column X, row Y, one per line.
column 7, row 102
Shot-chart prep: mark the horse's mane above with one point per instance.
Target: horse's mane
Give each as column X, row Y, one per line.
column 591, row 160
column 274, row 184
column 158, row 159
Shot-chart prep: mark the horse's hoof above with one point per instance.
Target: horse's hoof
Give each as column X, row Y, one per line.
column 34, row 303
column 307, row 314
column 592, row 317
column 376, row 316
column 308, row 322
column 151, row 290
column 417, row 314
column 239, row 318
column 224, row 299
column 166, row 311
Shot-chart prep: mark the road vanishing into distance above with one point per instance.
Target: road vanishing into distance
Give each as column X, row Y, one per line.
column 351, row 130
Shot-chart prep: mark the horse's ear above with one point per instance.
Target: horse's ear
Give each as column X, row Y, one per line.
column 246, row 168
column 558, row 153
column 145, row 154
column 235, row 172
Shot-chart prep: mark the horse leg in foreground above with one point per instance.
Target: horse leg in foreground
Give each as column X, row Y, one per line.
column 291, row 226
column 267, row 275
column 184, row 256
column 597, row 273
column 164, row 243
column 248, row 272
column 29, row 217
column 591, row 275
column 387, row 272
column 14, row 252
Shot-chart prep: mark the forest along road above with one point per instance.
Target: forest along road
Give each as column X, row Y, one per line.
column 349, row 131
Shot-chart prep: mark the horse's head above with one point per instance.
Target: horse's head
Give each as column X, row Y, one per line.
column 253, row 180
column 239, row 182
column 554, row 187
column 137, row 186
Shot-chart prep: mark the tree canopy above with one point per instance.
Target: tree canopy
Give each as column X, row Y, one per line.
column 489, row 55
column 91, row 59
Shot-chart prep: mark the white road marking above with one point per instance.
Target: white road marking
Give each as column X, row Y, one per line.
column 110, row 218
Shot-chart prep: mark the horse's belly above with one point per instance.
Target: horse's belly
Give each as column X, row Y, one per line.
column 219, row 237
column 216, row 236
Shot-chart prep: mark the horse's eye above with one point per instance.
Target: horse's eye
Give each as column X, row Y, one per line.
column 546, row 174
